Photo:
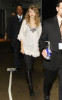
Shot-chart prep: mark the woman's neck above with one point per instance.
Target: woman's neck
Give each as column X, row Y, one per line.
column 32, row 22
column 32, row 19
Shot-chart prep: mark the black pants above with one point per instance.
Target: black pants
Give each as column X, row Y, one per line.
column 49, row 77
column 29, row 61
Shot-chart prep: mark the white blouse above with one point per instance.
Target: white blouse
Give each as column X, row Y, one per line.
column 30, row 39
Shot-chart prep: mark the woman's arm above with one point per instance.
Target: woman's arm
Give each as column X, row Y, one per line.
column 22, row 50
column 21, row 32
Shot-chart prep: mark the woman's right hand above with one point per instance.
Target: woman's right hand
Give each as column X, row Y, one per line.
column 22, row 51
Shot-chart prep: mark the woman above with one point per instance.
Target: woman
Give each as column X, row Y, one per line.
column 29, row 35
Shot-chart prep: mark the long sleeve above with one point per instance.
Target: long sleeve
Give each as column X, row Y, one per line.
column 9, row 28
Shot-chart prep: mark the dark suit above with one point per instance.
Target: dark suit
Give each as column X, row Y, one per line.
column 51, row 32
column 12, row 32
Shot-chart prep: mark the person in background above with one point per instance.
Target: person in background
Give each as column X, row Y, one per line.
column 29, row 35
column 52, row 32
column 13, row 28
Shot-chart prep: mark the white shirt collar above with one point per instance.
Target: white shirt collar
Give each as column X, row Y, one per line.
column 59, row 20
column 19, row 16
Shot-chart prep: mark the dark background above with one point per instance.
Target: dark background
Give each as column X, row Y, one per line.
column 48, row 8
column 2, row 21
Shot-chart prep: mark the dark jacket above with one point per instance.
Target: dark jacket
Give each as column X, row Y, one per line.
column 51, row 32
column 13, row 28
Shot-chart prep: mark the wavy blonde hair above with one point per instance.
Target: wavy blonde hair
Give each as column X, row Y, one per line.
column 37, row 17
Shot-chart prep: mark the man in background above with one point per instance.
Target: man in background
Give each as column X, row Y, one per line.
column 13, row 28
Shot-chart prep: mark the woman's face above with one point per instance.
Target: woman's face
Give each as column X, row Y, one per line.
column 32, row 13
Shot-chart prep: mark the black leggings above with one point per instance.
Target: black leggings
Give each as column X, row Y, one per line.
column 29, row 61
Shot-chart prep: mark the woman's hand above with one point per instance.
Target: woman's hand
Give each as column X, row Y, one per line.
column 22, row 51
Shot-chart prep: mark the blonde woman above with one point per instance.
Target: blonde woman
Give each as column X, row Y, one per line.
column 29, row 35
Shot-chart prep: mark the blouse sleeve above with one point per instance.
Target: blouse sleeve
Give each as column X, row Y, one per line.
column 21, row 32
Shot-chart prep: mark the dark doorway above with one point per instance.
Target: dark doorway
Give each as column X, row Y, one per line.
column 2, row 23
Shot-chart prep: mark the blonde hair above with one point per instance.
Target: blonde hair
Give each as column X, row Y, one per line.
column 37, row 18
